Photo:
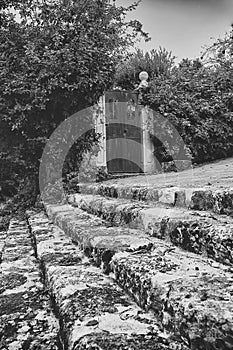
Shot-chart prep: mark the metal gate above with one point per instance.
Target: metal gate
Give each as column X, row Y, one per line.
column 123, row 132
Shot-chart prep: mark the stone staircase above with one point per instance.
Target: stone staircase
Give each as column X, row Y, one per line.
column 175, row 259
column 121, row 267
column 53, row 296
column 27, row 320
column 199, row 232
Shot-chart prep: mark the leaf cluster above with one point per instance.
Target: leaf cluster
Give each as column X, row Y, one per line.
column 56, row 58
column 155, row 63
column 197, row 100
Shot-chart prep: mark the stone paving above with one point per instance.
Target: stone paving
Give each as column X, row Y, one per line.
column 189, row 295
column 124, row 266
column 26, row 317
column 94, row 312
column 199, row 232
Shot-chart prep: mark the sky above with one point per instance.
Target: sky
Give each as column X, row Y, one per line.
column 183, row 26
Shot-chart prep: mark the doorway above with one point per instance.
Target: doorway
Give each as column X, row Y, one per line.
column 123, row 132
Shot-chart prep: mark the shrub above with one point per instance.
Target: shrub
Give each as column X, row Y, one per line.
column 197, row 101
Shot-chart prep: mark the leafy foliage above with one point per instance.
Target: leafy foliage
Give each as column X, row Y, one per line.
column 198, row 102
column 195, row 98
column 220, row 52
column 156, row 63
column 57, row 57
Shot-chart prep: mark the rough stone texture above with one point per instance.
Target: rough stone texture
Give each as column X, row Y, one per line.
column 191, row 298
column 91, row 305
column 94, row 313
column 26, row 318
column 3, row 236
column 95, row 238
column 140, row 193
column 202, row 232
column 220, row 201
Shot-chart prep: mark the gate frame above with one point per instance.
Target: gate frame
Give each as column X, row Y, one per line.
column 148, row 164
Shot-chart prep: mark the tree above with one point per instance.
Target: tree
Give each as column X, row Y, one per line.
column 220, row 53
column 56, row 58
column 197, row 101
column 155, row 63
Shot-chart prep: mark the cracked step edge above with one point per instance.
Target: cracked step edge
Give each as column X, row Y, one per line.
column 106, row 317
column 219, row 201
column 149, row 277
column 199, row 233
column 26, row 317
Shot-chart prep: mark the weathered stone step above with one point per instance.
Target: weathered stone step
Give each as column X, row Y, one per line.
column 26, row 317
column 189, row 295
column 94, row 235
column 101, row 242
column 220, row 201
column 192, row 300
column 3, row 236
column 201, row 233
column 94, row 312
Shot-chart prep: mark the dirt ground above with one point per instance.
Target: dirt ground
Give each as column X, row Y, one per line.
column 218, row 174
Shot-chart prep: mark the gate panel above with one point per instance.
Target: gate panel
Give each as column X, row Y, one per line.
column 123, row 129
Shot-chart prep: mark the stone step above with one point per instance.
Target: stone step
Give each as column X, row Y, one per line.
column 26, row 317
column 201, row 233
column 95, row 237
column 3, row 236
column 189, row 295
column 219, row 201
column 192, row 300
column 94, row 312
